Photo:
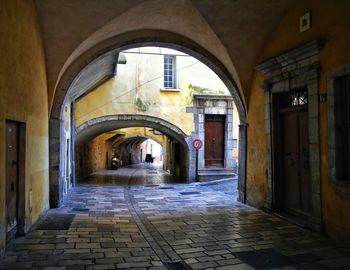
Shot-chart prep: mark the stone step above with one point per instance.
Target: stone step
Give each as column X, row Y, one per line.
column 210, row 175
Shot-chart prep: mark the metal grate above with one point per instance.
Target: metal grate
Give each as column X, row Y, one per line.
column 294, row 98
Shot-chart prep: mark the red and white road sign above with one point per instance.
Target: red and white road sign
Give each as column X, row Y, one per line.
column 197, row 144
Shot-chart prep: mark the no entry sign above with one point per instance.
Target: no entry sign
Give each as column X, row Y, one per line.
column 197, row 144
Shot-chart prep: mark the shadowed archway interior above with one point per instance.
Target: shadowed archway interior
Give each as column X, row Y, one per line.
column 76, row 81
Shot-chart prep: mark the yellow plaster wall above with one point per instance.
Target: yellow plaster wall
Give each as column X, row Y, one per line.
column 330, row 20
column 108, row 99
column 94, row 151
column 142, row 131
column 257, row 147
column 138, row 89
column 95, row 154
column 23, row 97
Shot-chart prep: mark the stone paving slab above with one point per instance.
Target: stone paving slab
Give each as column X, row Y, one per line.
column 152, row 227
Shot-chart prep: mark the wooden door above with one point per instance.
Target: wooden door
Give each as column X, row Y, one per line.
column 296, row 174
column 290, row 161
column 12, row 174
column 304, row 159
column 214, row 140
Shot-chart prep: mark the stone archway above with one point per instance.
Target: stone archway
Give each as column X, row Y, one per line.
column 94, row 127
column 58, row 129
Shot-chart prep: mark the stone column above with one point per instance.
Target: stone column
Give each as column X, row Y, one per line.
column 242, row 157
column 201, row 136
column 229, row 162
column 55, row 144
column 191, row 161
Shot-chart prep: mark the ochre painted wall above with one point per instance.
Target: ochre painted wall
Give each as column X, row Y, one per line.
column 94, row 152
column 93, row 155
column 108, row 99
column 23, row 97
column 330, row 21
column 257, row 147
column 138, row 89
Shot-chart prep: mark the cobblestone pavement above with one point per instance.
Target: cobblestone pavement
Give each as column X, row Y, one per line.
column 168, row 226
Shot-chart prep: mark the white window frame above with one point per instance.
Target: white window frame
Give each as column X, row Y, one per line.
column 167, row 83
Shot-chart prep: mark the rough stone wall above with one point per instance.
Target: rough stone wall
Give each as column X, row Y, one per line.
column 91, row 156
column 329, row 22
column 23, row 98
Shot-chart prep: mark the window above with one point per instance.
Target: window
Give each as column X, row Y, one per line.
column 294, row 98
column 169, row 72
column 342, row 127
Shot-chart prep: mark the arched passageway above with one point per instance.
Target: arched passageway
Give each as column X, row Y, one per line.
column 175, row 142
column 138, row 149
column 74, row 82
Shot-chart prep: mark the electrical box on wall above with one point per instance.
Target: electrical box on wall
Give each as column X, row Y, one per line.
column 305, row 22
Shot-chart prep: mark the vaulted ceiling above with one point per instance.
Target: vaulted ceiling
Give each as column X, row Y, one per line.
column 243, row 27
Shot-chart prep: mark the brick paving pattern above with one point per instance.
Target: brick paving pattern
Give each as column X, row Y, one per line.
column 170, row 226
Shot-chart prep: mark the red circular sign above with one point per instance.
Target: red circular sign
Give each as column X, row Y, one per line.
column 197, row 144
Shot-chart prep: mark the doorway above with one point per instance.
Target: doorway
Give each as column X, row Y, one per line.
column 15, row 178
column 293, row 183
column 214, row 140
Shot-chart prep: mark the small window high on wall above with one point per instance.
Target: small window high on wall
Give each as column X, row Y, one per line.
column 169, row 72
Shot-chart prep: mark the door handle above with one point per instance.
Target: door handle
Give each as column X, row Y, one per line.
column 14, row 162
column 213, row 140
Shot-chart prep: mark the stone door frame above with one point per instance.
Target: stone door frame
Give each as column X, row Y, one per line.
column 200, row 110
column 295, row 69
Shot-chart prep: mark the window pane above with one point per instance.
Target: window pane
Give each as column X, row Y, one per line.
column 294, row 98
column 169, row 74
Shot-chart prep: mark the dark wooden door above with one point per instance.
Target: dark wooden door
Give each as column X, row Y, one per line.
column 12, row 174
column 214, row 140
column 296, row 166
column 304, row 163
